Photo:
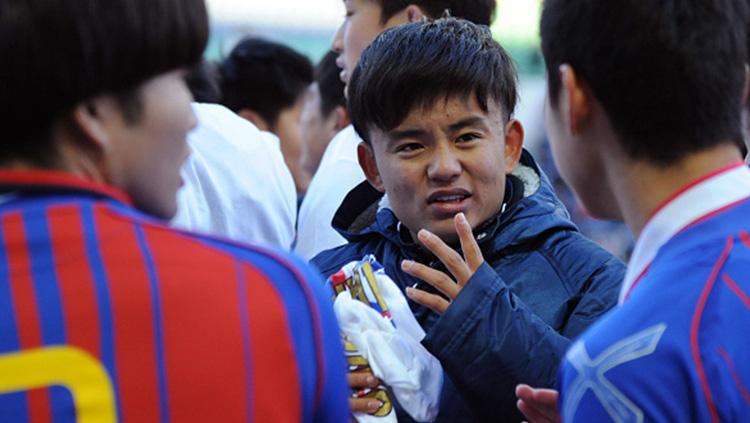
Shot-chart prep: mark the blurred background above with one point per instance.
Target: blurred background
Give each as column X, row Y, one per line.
column 309, row 25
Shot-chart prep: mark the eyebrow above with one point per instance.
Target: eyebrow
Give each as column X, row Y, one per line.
column 469, row 121
column 406, row 133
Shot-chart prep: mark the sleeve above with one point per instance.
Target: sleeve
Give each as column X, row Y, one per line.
column 333, row 405
column 488, row 341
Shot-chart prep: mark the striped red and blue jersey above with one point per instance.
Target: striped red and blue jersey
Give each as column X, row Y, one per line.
column 106, row 314
column 677, row 348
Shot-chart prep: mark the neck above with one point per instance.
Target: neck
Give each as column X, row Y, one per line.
column 640, row 188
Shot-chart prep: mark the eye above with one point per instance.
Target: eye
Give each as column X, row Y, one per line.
column 468, row 137
column 408, row 147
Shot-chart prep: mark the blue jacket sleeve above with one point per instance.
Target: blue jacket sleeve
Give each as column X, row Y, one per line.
column 488, row 341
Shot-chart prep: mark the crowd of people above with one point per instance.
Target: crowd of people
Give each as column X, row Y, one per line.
column 167, row 224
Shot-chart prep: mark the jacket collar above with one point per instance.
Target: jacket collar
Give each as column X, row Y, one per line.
column 45, row 182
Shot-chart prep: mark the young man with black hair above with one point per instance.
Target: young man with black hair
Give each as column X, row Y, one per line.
column 106, row 314
column 339, row 171
column 644, row 119
column 265, row 82
column 324, row 114
column 444, row 159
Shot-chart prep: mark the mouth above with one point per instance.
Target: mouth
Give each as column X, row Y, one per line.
column 446, row 204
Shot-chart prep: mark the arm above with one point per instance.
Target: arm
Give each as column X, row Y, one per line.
column 487, row 340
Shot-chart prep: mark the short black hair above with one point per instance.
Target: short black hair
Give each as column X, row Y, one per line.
column 668, row 73
column 416, row 64
column 55, row 54
column 264, row 76
column 330, row 85
column 203, row 82
column 481, row 12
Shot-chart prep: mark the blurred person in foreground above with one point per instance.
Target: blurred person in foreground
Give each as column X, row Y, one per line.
column 644, row 119
column 324, row 114
column 463, row 220
column 106, row 313
column 265, row 82
column 339, row 170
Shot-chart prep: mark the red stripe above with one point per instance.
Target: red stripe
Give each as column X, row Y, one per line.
column 25, row 305
column 132, row 315
column 736, row 289
column 316, row 323
column 745, row 239
column 694, row 183
column 275, row 370
column 75, row 280
column 636, row 282
column 695, row 326
column 733, row 370
column 40, row 178
column 203, row 335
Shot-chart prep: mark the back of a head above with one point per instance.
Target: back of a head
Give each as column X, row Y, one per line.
column 265, row 77
column 57, row 53
column 417, row 64
column 203, row 82
column 330, row 84
column 669, row 74
column 480, row 12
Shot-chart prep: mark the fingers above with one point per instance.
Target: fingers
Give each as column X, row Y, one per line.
column 538, row 405
column 434, row 302
column 362, row 380
column 364, row 405
column 472, row 253
column 436, row 278
column 450, row 258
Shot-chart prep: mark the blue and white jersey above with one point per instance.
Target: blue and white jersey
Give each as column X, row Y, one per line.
column 678, row 347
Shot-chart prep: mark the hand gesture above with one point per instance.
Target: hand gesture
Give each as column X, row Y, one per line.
column 462, row 268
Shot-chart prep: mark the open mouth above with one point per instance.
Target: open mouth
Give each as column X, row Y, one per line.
column 448, row 197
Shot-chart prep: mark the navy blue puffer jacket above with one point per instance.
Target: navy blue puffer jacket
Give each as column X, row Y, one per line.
column 543, row 283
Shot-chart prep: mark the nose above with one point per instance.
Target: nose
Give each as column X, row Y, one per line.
column 337, row 44
column 444, row 165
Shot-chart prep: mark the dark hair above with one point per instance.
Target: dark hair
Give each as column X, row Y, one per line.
column 55, row 54
column 265, row 77
column 416, row 64
column 203, row 82
column 669, row 74
column 481, row 12
column 330, row 84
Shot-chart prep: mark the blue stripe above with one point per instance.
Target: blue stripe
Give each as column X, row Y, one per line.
column 44, row 277
column 63, row 407
column 245, row 322
column 12, row 406
column 103, row 298
column 47, row 291
column 158, row 324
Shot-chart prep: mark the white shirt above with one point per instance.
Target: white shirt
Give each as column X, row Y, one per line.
column 339, row 172
column 237, row 185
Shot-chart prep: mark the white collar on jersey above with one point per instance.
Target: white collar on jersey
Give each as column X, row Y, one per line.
column 696, row 200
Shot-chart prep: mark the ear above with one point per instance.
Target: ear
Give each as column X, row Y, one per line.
column 415, row 13
column 93, row 120
column 513, row 144
column 367, row 161
column 577, row 98
column 342, row 118
column 255, row 118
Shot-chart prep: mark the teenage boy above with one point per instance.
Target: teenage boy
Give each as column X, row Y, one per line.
column 265, row 82
column 644, row 118
column 441, row 143
column 107, row 314
column 339, row 170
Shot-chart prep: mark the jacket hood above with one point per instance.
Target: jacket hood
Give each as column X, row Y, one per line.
column 532, row 210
